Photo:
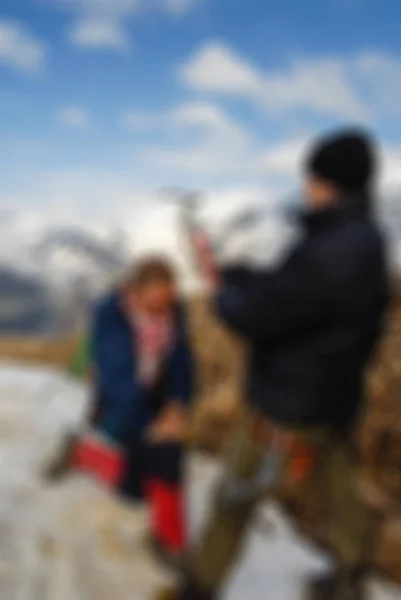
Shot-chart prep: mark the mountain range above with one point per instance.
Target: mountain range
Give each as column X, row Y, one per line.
column 50, row 272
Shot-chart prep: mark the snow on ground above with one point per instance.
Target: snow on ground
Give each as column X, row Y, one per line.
column 75, row 542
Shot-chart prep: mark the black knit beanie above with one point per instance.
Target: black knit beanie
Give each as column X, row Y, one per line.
column 346, row 159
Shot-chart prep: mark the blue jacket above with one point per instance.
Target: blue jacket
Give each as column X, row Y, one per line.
column 125, row 405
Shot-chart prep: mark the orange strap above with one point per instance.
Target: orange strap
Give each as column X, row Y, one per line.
column 302, row 455
column 302, row 460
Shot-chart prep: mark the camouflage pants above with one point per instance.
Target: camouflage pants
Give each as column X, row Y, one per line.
column 327, row 456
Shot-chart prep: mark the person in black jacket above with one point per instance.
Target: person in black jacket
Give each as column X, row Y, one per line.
column 312, row 325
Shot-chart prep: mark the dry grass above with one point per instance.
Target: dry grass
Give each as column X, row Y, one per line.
column 50, row 352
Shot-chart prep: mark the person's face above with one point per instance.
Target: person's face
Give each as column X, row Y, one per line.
column 156, row 297
column 319, row 194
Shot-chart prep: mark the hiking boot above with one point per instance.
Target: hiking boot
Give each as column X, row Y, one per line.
column 188, row 592
column 338, row 587
column 168, row 593
column 167, row 558
column 61, row 465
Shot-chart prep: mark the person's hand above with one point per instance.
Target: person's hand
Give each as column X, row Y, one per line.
column 205, row 258
column 170, row 425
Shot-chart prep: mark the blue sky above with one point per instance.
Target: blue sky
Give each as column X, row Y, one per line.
column 101, row 99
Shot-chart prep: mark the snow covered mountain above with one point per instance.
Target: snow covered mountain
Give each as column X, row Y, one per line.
column 25, row 304
column 51, row 270
column 49, row 273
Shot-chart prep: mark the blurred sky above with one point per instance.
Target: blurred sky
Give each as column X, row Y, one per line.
column 102, row 99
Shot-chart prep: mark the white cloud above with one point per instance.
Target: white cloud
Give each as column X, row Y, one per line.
column 391, row 166
column 20, row 48
column 80, row 195
column 103, row 24
column 100, row 23
column 180, row 7
column 210, row 117
column 380, row 75
column 111, row 8
column 223, row 149
column 199, row 115
column 318, row 84
column 99, row 32
column 142, row 120
column 284, row 158
column 219, row 147
column 74, row 116
column 221, row 143
column 362, row 86
column 217, row 68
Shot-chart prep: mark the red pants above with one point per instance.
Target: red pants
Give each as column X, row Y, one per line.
column 167, row 509
column 154, row 473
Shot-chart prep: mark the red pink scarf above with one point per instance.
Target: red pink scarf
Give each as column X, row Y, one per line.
column 154, row 341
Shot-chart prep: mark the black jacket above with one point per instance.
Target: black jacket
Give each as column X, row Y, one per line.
column 313, row 323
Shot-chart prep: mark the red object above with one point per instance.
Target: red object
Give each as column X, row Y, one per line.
column 99, row 458
column 302, row 461
column 167, row 509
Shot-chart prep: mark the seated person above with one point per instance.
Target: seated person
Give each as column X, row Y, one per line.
column 142, row 372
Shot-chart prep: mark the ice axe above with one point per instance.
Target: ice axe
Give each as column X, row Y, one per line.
column 188, row 202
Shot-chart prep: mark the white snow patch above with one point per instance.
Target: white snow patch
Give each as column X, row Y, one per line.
column 75, row 542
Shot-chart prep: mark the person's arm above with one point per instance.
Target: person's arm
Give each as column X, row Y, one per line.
column 180, row 376
column 264, row 307
column 115, row 380
column 172, row 422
